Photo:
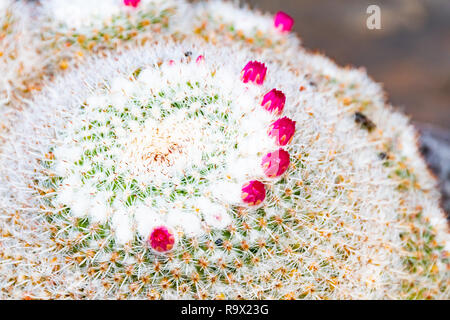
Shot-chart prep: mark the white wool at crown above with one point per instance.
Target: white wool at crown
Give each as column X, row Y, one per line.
column 4, row 4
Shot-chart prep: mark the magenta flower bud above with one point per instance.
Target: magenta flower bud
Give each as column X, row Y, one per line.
column 200, row 59
column 254, row 72
column 274, row 101
column 283, row 22
column 253, row 193
column 276, row 163
column 282, row 130
column 161, row 239
column 131, row 3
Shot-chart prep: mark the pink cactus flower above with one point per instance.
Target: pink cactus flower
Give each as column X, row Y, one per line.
column 274, row 101
column 171, row 62
column 200, row 59
column 282, row 130
column 131, row 3
column 283, row 22
column 254, row 72
column 161, row 239
column 253, row 193
column 276, row 163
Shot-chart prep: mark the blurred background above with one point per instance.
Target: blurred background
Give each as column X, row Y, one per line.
column 410, row 55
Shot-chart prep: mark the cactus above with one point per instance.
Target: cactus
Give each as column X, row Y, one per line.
column 159, row 168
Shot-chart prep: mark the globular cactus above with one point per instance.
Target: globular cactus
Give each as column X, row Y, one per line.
column 210, row 158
